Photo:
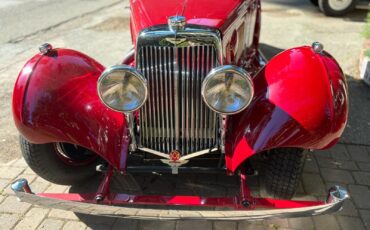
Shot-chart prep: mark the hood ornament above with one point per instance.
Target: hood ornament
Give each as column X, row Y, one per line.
column 176, row 22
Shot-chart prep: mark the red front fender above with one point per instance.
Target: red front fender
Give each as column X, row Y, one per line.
column 55, row 100
column 300, row 101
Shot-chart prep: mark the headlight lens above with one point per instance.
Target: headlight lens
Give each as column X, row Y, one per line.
column 122, row 88
column 227, row 89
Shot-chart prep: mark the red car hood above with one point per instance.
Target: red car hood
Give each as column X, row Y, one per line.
column 146, row 13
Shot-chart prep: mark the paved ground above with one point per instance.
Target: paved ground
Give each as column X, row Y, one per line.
column 100, row 29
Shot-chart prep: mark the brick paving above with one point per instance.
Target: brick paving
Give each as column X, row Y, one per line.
column 346, row 165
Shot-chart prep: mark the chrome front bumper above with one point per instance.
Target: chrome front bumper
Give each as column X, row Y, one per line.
column 334, row 202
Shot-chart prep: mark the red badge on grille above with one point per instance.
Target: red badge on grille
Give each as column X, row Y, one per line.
column 175, row 155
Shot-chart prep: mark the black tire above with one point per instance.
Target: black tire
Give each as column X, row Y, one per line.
column 284, row 172
column 315, row 2
column 328, row 10
column 45, row 162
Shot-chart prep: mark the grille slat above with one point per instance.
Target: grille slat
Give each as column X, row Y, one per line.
column 166, row 106
column 171, row 96
column 175, row 116
column 162, row 95
column 186, row 93
column 201, row 126
column 143, row 114
column 197, row 102
column 193, row 98
column 182, row 98
column 157, row 97
column 152, row 104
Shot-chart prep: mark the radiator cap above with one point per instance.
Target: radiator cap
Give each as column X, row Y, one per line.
column 176, row 22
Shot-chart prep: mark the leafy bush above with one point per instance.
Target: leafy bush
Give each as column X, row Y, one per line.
column 367, row 27
column 367, row 53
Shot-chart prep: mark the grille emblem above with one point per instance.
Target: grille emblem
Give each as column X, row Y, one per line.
column 176, row 41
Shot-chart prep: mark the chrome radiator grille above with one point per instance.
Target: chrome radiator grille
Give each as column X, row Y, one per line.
column 175, row 116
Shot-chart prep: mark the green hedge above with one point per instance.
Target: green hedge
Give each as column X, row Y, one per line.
column 367, row 27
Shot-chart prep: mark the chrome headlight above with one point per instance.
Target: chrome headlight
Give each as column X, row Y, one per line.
column 122, row 88
column 227, row 89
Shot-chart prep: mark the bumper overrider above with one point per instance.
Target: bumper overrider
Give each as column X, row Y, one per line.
column 242, row 207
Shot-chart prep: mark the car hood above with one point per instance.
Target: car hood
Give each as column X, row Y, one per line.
column 147, row 13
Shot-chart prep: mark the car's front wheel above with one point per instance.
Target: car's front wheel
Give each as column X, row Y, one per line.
column 59, row 163
column 336, row 8
column 283, row 172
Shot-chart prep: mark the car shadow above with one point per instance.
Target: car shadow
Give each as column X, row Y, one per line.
column 358, row 126
column 269, row 51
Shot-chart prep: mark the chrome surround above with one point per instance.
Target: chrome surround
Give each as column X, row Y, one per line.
column 228, row 68
column 126, row 68
column 334, row 202
column 188, row 36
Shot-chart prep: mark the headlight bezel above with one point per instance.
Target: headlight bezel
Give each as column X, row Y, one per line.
column 223, row 70
column 124, row 68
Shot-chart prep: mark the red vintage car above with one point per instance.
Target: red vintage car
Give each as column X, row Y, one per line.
column 195, row 87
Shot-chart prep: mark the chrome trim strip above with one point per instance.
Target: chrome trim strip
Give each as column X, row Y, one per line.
column 335, row 200
column 222, row 120
column 154, row 152
column 130, row 123
column 183, row 158
column 197, row 154
column 129, row 56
